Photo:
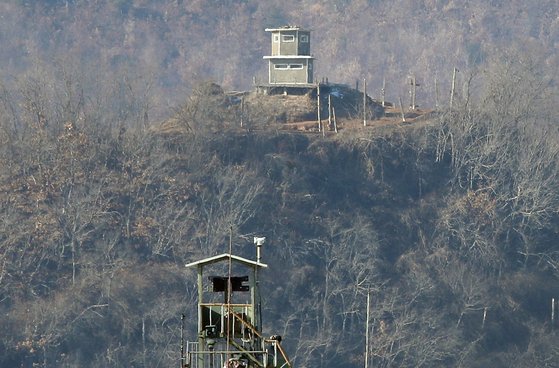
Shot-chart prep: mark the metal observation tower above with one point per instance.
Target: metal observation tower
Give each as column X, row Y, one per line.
column 229, row 317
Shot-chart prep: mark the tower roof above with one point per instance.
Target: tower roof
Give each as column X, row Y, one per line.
column 288, row 57
column 284, row 28
column 226, row 256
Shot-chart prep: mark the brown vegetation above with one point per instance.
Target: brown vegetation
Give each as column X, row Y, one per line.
column 450, row 224
column 447, row 224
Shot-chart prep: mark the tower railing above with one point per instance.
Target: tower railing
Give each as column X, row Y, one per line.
column 268, row 352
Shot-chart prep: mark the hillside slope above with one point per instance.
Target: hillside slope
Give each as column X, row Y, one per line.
column 451, row 226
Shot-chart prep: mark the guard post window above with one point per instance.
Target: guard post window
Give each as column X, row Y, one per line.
column 288, row 38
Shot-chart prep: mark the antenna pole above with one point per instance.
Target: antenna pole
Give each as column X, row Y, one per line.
column 229, row 291
column 259, row 242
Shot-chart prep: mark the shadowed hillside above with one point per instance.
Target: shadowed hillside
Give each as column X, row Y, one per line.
column 449, row 223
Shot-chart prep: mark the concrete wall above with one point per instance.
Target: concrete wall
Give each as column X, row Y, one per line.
column 291, row 42
column 290, row 71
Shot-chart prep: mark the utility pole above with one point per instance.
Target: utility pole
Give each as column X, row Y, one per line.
column 383, row 91
column 182, row 341
column 402, row 110
column 552, row 313
column 413, row 86
column 329, row 112
column 335, row 122
column 367, row 329
column 436, row 94
column 318, row 107
column 364, row 102
column 453, row 86
column 242, row 108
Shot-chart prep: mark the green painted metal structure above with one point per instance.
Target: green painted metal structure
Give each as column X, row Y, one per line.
column 229, row 318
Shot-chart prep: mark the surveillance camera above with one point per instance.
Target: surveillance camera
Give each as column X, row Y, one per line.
column 259, row 241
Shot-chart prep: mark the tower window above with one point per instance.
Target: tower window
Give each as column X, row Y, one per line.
column 288, row 38
column 281, row 66
column 295, row 66
column 276, row 37
column 304, row 38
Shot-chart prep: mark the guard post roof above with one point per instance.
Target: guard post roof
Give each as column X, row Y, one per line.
column 284, row 28
column 226, row 256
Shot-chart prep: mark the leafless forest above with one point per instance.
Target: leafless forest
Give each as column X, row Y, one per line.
column 451, row 225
